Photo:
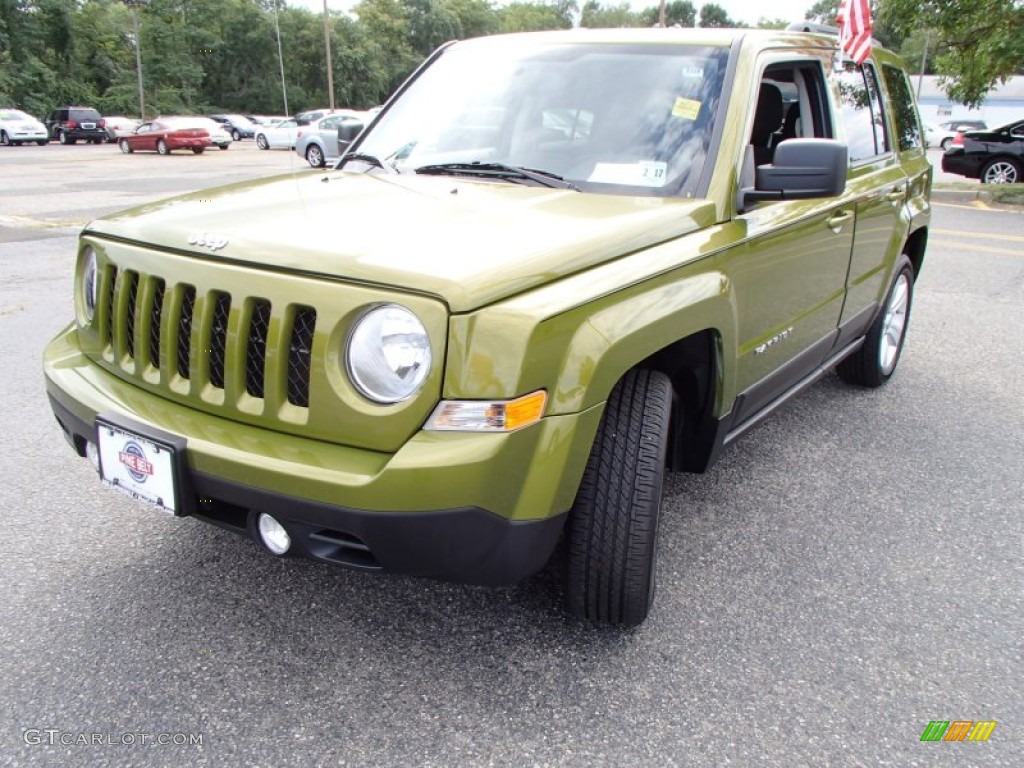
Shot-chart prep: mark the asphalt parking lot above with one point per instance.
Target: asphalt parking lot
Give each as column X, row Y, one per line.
column 850, row 571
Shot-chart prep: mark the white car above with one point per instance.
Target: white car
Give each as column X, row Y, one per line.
column 317, row 141
column 17, row 127
column 117, row 126
column 279, row 135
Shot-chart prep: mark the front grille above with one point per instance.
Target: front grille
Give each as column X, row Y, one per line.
column 146, row 319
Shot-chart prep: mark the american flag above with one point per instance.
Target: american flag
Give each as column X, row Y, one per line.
column 855, row 29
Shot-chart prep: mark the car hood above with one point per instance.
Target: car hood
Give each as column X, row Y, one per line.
column 469, row 243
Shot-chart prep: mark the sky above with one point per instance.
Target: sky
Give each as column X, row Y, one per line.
column 748, row 11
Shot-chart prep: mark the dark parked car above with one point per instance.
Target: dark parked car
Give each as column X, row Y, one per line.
column 69, row 124
column 165, row 135
column 239, row 126
column 995, row 157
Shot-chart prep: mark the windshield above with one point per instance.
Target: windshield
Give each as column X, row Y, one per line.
column 15, row 114
column 621, row 119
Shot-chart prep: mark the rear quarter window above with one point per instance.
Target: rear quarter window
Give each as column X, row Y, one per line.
column 904, row 114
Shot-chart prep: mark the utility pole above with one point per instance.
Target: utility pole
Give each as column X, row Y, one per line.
column 330, row 66
column 134, row 5
column 280, row 59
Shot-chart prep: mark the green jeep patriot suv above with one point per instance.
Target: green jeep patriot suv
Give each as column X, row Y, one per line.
column 554, row 266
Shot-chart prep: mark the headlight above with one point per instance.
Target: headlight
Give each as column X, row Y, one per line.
column 90, row 283
column 388, row 354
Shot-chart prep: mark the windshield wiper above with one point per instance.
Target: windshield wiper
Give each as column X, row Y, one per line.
column 366, row 157
column 500, row 171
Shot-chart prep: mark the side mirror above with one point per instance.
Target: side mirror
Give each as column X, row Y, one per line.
column 347, row 132
column 802, row 169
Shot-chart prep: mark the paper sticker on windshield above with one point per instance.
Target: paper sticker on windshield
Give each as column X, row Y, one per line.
column 688, row 109
column 646, row 173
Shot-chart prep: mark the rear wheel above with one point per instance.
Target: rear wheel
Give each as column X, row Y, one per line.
column 42, row 142
column 315, row 156
column 5, row 140
column 1002, row 170
column 125, row 146
column 224, row 146
column 63, row 138
column 236, row 135
column 198, row 150
column 874, row 363
column 162, row 148
column 613, row 526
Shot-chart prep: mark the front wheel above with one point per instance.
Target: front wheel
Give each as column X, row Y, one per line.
column 315, row 156
column 946, row 143
column 125, row 146
column 261, row 142
column 198, row 150
column 613, row 526
column 5, row 140
column 236, row 135
column 1001, row 171
column 162, row 148
column 875, row 361
column 223, row 146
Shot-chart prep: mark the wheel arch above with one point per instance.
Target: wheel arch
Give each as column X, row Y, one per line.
column 914, row 248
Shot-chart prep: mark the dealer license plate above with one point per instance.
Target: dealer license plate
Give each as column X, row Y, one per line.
column 139, row 466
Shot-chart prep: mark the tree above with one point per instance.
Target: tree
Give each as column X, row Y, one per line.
column 979, row 42
column 678, row 13
column 713, row 15
column 597, row 16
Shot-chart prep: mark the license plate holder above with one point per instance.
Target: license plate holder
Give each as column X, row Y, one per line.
column 140, row 462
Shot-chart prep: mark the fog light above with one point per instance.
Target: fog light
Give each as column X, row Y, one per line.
column 273, row 535
column 93, row 455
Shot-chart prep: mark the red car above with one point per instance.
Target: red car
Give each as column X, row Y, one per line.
column 165, row 135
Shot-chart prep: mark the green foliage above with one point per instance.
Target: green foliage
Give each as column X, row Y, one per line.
column 712, row 15
column 678, row 13
column 202, row 55
column 977, row 43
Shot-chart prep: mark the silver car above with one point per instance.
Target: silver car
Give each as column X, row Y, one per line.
column 318, row 141
column 17, row 126
column 279, row 135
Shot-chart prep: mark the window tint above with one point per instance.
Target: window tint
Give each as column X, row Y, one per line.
column 908, row 129
column 861, row 111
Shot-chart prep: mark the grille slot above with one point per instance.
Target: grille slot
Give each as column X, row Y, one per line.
column 188, row 306
column 132, row 286
column 155, row 316
column 256, row 349
column 300, row 353
column 219, row 338
column 109, row 306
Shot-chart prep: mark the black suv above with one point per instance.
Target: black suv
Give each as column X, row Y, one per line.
column 69, row 124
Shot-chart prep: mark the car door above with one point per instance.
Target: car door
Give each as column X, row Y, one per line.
column 878, row 184
column 789, row 274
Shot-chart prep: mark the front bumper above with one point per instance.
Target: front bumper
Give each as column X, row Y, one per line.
column 474, row 508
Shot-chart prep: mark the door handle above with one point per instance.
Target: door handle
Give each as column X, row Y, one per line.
column 836, row 221
column 897, row 195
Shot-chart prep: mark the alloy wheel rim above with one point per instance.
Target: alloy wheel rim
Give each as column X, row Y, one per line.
column 894, row 324
column 1001, row 173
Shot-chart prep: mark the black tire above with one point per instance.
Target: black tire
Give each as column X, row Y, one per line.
column 613, row 526
column 261, row 141
column 5, row 140
column 42, row 142
column 125, row 146
column 223, row 146
column 315, row 156
column 946, row 143
column 875, row 361
column 1001, row 170
column 236, row 135
column 63, row 138
column 198, row 150
column 162, row 148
